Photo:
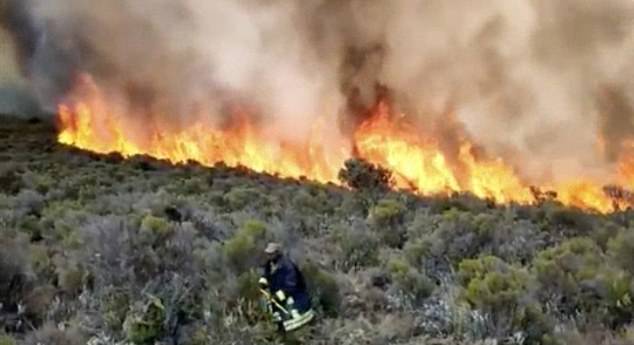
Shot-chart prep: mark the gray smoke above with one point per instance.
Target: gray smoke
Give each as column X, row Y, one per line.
column 535, row 81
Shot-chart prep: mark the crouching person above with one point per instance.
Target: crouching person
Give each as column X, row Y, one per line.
column 285, row 289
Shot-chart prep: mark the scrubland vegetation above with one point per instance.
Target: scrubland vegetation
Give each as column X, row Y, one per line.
column 100, row 250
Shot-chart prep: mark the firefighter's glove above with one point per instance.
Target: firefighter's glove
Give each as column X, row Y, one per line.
column 263, row 283
column 280, row 295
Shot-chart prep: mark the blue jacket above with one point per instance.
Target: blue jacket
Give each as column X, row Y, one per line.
column 284, row 275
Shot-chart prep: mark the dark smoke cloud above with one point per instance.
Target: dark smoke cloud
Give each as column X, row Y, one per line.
column 45, row 61
column 524, row 78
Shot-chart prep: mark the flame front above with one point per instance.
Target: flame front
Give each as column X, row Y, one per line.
column 416, row 160
column 92, row 125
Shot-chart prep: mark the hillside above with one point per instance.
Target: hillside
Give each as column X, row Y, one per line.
column 101, row 250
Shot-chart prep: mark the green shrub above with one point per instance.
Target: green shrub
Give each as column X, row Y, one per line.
column 387, row 212
column 409, row 280
column 572, row 220
column 193, row 185
column 458, row 201
column 71, row 279
column 114, row 308
column 353, row 204
column 501, row 291
column 621, row 250
column 416, row 250
column 239, row 197
column 454, row 236
column 618, row 299
column 565, row 269
column 239, row 250
column 248, row 287
column 358, row 245
column 144, row 322
column 41, row 260
column 386, row 218
column 323, row 288
column 604, row 232
column 306, row 202
column 154, row 225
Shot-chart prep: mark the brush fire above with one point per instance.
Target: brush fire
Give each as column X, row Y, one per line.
column 90, row 121
column 511, row 101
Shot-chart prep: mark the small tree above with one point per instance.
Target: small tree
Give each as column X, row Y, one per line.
column 362, row 175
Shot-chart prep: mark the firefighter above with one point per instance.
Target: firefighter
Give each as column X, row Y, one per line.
column 284, row 287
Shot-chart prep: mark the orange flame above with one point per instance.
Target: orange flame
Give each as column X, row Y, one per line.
column 416, row 160
column 92, row 125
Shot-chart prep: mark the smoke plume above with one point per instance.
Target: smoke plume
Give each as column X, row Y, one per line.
column 551, row 82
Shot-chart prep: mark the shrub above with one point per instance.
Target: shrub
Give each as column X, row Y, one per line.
column 41, row 261
column 29, row 202
column 10, row 180
column 40, row 183
column 323, row 288
column 621, row 250
column 564, row 272
column 37, row 302
column 156, row 226
column 604, row 232
column 454, row 237
column 387, row 212
column 15, row 268
column 409, row 280
column 114, row 308
column 416, row 250
column 362, row 175
column 305, row 202
column 358, row 245
column 248, row 287
column 240, row 249
column 618, row 298
column 458, row 201
column 387, row 217
column 239, row 197
column 71, row 278
column 494, row 291
column 353, row 204
column 570, row 220
column 144, row 322
column 502, row 292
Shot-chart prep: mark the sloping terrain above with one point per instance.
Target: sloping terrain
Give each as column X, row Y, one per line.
column 101, row 250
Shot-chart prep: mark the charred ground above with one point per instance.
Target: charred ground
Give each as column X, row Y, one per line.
column 104, row 250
